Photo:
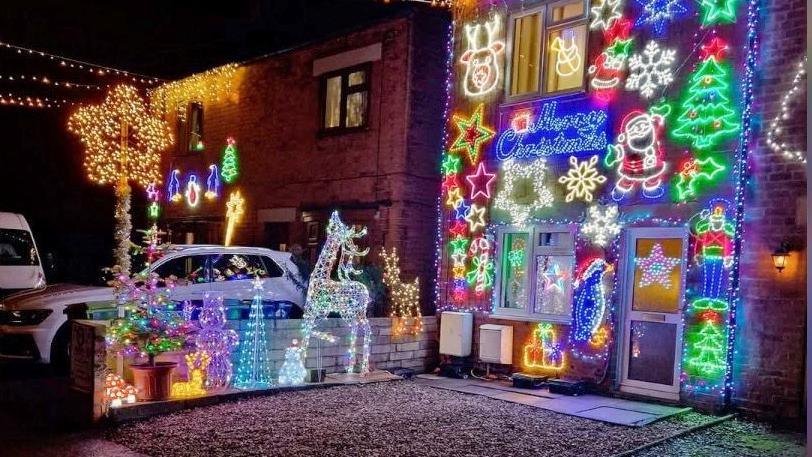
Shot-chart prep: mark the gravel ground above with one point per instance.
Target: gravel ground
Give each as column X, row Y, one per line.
column 385, row 419
column 732, row 438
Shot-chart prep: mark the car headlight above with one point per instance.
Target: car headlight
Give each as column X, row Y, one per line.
column 24, row 317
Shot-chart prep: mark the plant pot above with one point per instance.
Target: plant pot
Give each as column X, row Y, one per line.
column 154, row 382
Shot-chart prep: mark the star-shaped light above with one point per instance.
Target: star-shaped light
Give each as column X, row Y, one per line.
column 620, row 48
column 718, row 11
column 475, row 218
column 454, row 197
column 481, row 182
column 605, row 13
column 472, row 134
column 619, row 30
column 582, row 179
column 458, row 259
column 461, row 210
column 458, row 271
column 458, row 228
column 659, row 12
column 656, row 268
column 450, row 182
column 554, row 277
column 459, row 245
column 523, row 177
column 451, row 164
column 716, row 48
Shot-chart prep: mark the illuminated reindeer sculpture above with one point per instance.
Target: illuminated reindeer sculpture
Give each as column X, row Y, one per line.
column 481, row 59
column 347, row 297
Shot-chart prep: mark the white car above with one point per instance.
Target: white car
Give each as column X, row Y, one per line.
column 34, row 324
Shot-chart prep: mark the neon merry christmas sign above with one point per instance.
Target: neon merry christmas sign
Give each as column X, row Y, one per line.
column 572, row 131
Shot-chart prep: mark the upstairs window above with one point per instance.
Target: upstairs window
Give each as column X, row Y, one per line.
column 195, row 127
column 548, row 49
column 345, row 99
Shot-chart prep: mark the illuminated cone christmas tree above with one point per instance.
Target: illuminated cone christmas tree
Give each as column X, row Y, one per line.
column 254, row 366
column 708, row 350
column 707, row 115
column 293, row 371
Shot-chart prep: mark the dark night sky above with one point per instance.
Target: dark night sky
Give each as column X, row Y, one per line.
column 41, row 161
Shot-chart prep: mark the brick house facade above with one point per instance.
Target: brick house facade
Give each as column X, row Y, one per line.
column 293, row 173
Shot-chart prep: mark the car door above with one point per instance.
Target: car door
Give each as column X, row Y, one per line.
column 193, row 276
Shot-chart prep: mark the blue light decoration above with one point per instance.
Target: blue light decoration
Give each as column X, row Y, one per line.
column 461, row 210
column 173, row 186
column 589, row 307
column 253, row 371
column 213, row 183
column 559, row 128
column 658, row 13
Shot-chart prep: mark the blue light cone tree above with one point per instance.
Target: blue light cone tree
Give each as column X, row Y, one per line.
column 253, row 369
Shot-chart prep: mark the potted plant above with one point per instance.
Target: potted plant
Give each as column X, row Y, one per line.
column 150, row 327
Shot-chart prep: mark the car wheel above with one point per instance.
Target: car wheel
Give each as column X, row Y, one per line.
column 60, row 350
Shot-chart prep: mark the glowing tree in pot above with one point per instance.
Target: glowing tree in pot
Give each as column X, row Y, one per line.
column 150, row 327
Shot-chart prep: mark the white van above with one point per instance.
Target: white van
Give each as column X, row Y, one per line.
column 20, row 266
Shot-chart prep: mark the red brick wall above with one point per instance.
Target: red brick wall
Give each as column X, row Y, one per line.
column 771, row 333
column 390, row 167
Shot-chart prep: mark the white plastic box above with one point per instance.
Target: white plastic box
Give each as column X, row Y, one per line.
column 456, row 330
column 496, row 343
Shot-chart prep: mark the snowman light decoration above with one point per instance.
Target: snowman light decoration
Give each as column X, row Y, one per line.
column 638, row 153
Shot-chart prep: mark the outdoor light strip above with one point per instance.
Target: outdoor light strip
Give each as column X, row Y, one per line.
column 50, row 82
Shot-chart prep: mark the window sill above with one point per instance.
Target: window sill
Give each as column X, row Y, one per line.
column 531, row 318
column 326, row 133
column 567, row 95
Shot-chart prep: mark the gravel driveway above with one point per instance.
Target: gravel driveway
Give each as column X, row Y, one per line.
column 385, row 419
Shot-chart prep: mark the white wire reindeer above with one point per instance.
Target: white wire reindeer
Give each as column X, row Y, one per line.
column 347, row 297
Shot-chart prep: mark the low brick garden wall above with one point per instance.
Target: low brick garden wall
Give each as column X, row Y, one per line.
column 416, row 352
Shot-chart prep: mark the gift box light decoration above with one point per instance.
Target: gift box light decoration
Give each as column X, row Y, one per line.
column 293, row 371
column 404, row 297
column 544, row 350
column 345, row 296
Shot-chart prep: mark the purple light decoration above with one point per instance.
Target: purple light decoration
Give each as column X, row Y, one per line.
column 218, row 340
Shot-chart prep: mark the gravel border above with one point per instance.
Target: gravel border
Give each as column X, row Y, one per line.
column 385, row 419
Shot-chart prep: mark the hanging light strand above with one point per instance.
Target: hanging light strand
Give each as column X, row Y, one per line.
column 45, row 80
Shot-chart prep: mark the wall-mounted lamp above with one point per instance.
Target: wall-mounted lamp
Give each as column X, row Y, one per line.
column 780, row 256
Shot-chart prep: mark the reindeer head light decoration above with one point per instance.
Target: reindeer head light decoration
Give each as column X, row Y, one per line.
column 482, row 62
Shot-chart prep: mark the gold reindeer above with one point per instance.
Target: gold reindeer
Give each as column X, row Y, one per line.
column 405, row 297
column 196, row 362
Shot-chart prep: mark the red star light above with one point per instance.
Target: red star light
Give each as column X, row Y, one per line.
column 716, row 49
column 472, row 134
column 620, row 29
column 451, row 182
column 481, row 182
column 458, row 228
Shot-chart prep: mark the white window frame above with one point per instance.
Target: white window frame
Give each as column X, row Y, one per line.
column 531, row 251
column 544, row 12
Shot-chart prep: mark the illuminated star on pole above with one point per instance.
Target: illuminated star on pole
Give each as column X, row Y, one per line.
column 481, row 182
column 472, row 134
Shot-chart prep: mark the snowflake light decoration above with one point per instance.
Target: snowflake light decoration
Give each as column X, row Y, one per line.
column 605, row 12
column 582, row 179
column 541, row 196
column 650, row 70
column 659, row 12
column 601, row 225
column 656, row 268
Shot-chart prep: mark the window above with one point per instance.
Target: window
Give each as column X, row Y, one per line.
column 548, row 48
column 535, row 273
column 232, row 267
column 186, row 268
column 17, row 248
column 195, row 126
column 345, row 99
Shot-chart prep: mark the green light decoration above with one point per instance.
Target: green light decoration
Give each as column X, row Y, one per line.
column 718, row 11
column 516, row 258
column 451, row 164
column 707, row 350
column 229, row 167
column 481, row 273
column 707, row 116
column 695, row 175
column 712, row 304
column 459, row 245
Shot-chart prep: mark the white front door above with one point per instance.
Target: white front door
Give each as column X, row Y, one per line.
column 653, row 288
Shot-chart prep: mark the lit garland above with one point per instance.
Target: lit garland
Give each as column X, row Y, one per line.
column 582, row 179
column 482, row 63
column 651, row 69
column 122, row 143
column 707, row 116
column 235, row 208
column 12, row 99
column 196, row 365
column 656, row 268
column 206, row 87
column 254, row 366
column 472, row 134
column 44, row 80
column 216, row 339
column 293, row 371
column 776, row 128
column 347, row 297
column 230, row 164
column 404, row 297
column 533, row 175
column 543, row 350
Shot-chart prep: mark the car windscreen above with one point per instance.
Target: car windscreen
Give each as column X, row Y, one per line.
column 17, row 248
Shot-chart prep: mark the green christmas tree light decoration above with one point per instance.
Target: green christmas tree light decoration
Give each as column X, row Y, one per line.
column 707, row 350
column 254, row 366
column 707, row 116
column 229, row 167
